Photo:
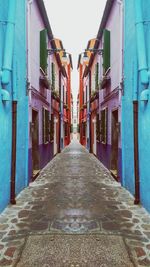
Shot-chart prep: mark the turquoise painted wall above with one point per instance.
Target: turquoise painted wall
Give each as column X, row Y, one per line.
column 18, row 84
column 131, row 82
column 5, row 122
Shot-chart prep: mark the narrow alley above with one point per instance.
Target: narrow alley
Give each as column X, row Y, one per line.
column 75, row 214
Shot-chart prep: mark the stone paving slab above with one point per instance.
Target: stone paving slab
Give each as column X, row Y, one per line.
column 73, row 250
column 75, row 194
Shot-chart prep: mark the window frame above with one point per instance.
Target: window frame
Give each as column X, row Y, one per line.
column 104, row 126
column 46, row 125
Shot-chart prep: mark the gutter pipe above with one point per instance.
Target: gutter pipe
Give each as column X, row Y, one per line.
column 13, row 156
column 8, row 49
column 141, row 50
column 136, row 135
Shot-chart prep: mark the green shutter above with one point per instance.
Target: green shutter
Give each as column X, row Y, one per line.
column 97, row 128
column 53, row 76
column 52, row 128
column 103, row 131
column 46, row 125
column 106, row 50
column 96, row 75
column 43, row 50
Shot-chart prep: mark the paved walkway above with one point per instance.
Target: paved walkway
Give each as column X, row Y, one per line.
column 74, row 215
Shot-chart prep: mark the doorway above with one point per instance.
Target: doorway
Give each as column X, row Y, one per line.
column 94, row 135
column 114, row 143
column 55, row 136
column 35, row 144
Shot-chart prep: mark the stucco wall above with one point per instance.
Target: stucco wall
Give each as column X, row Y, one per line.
column 113, row 24
column 110, row 97
column 18, row 81
column 36, row 102
column 130, row 71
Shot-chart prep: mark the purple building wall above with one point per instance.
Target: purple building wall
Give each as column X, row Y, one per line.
column 110, row 97
column 39, row 98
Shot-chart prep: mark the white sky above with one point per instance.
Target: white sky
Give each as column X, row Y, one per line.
column 75, row 22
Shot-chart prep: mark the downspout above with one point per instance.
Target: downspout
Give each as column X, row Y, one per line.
column 8, row 49
column 136, row 136
column 13, row 157
column 11, row 18
column 141, row 50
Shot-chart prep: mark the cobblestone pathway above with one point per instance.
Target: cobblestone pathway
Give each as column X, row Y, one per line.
column 74, row 215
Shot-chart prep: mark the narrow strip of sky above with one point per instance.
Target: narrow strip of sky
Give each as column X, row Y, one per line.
column 75, row 22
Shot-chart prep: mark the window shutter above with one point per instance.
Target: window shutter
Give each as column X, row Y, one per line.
column 106, row 51
column 53, row 75
column 66, row 129
column 46, row 125
column 96, row 75
column 43, row 50
column 52, row 128
column 103, row 130
column 66, row 97
column 97, row 128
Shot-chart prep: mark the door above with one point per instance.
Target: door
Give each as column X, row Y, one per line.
column 35, row 143
column 94, row 135
column 55, row 135
column 115, row 139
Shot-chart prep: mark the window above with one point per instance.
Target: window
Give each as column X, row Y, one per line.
column 66, row 129
column 97, row 128
column 78, row 128
column 90, row 89
column 71, row 128
column 86, row 93
column 43, row 50
column 52, row 128
column 60, row 83
column 53, row 76
column 103, row 126
column 106, row 51
column 84, row 129
column 96, row 75
column 46, row 126
column 66, row 97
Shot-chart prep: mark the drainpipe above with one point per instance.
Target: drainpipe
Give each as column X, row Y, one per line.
column 136, row 135
column 13, row 157
column 8, row 49
column 141, row 50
